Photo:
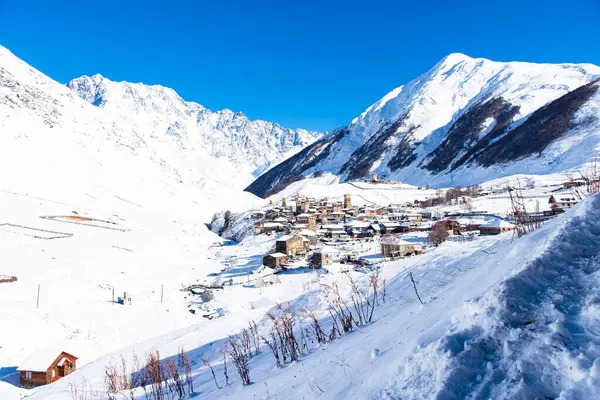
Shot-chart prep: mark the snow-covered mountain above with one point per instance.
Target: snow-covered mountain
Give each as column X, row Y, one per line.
column 161, row 114
column 52, row 141
column 463, row 122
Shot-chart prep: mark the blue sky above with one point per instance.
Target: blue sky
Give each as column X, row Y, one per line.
column 302, row 63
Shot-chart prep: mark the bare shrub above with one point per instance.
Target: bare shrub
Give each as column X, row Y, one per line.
column 524, row 222
column 339, row 308
column 253, row 330
column 212, row 371
column 84, row 391
column 438, row 234
column 156, row 374
column 589, row 181
column 273, row 345
column 239, row 352
column 316, row 326
column 175, row 382
column 187, row 369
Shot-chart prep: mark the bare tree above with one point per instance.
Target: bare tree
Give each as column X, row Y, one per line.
column 412, row 279
column 438, row 234
column 225, row 373
column 212, row 371
column 240, row 357
column 466, row 206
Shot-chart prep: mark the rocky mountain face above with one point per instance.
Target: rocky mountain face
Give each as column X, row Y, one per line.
column 162, row 114
column 463, row 122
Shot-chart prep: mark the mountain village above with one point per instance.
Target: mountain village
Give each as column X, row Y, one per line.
column 331, row 234
column 442, row 245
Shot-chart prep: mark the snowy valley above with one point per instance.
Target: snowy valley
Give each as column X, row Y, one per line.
column 353, row 267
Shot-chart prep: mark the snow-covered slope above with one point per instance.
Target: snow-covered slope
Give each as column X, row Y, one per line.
column 503, row 318
column 90, row 202
column 463, row 122
column 161, row 115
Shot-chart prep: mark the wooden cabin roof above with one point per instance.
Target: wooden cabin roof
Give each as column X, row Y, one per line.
column 40, row 360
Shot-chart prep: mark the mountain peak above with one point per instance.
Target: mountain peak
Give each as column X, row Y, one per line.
column 452, row 59
column 456, row 57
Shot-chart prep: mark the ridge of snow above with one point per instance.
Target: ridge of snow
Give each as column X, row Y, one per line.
column 160, row 113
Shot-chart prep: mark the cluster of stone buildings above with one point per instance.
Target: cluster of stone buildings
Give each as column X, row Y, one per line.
column 338, row 221
column 307, row 224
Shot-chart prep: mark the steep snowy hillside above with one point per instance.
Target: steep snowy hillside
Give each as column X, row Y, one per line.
column 159, row 112
column 463, row 122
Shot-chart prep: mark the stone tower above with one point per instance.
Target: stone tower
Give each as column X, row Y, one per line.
column 284, row 203
column 347, row 201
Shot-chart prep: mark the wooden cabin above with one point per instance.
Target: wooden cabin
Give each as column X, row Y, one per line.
column 46, row 366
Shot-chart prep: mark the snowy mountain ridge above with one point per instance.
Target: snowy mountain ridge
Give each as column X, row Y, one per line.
column 162, row 113
column 465, row 121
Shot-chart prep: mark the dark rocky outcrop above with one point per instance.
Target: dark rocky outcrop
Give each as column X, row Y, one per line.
column 465, row 132
column 543, row 126
column 362, row 159
column 292, row 169
column 469, row 141
column 404, row 152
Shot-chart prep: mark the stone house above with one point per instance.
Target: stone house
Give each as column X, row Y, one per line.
column 323, row 256
column 496, row 227
column 292, row 245
column 275, row 260
column 396, row 247
column 310, row 220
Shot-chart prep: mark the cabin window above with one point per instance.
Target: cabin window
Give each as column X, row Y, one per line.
column 52, row 373
column 28, row 375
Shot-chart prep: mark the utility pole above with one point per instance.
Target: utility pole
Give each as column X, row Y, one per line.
column 37, row 305
column 113, row 295
column 161, row 293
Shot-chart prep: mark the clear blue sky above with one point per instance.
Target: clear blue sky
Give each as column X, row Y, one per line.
column 302, row 63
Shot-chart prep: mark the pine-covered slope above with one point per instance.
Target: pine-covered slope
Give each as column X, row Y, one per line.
column 464, row 121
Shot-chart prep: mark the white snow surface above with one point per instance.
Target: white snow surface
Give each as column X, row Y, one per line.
column 503, row 318
column 90, row 203
column 160, row 114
